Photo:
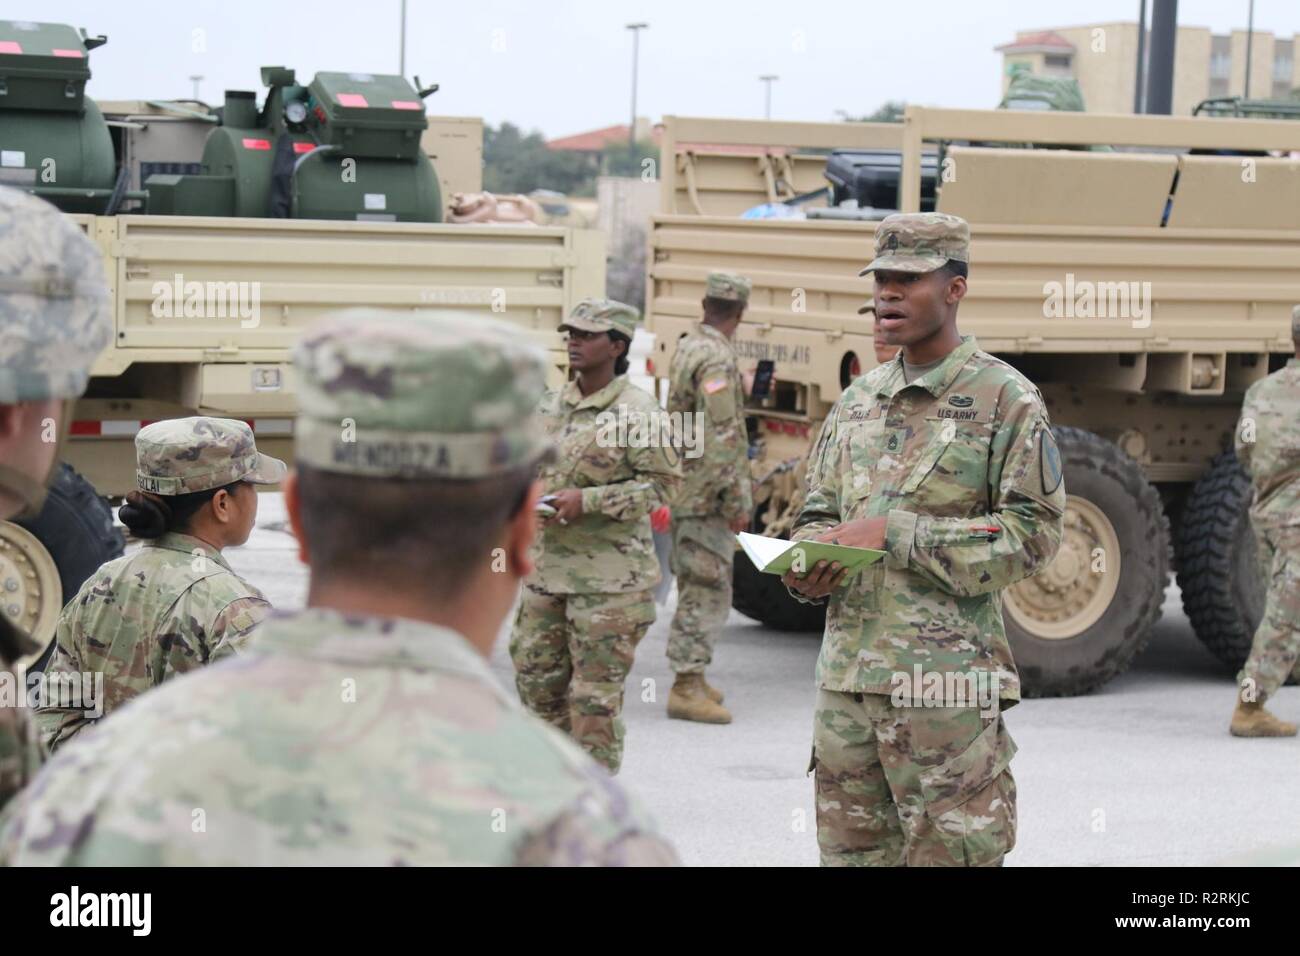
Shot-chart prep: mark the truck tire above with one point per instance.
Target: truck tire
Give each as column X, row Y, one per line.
column 1218, row 571
column 764, row 598
column 45, row 560
column 1082, row 620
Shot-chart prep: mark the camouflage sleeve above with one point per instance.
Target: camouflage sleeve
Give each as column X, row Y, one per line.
column 821, row 503
column 726, row 440
column 1027, row 496
column 1249, row 420
column 603, row 827
column 235, row 624
column 658, row 473
column 55, row 722
column 20, row 752
column 210, row 621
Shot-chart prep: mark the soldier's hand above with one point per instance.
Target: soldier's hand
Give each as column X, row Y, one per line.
column 862, row 533
column 567, row 505
column 821, row 579
column 738, row 525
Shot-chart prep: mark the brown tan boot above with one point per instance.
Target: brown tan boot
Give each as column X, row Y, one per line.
column 689, row 701
column 712, row 692
column 1252, row 720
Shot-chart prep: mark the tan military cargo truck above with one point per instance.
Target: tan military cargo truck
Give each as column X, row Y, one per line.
column 207, row 309
column 1143, row 288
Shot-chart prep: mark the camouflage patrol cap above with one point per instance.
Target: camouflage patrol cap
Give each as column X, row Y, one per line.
column 727, row 285
column 391, row 394
column 919, row 242
column 180, row 456
column 603, row 315
column 54, row 305
column 868, row 306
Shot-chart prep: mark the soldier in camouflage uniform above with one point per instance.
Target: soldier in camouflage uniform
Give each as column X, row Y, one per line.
column 591, row 598
column 944, row 459
column 175, row 604
column 715, row 501
column 367, row 729
column 55, row 318
column 1268, row 445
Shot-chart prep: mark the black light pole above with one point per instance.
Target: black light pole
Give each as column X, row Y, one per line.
column 1164, row 36
column 1140, row 86
column 636, row 29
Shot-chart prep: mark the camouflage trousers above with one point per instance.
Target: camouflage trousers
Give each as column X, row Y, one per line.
column 915, row 786
column 572, row 654
column 1275, row 651
column 703, row 591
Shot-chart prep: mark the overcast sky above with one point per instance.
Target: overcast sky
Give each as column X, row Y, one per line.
column 565, row 66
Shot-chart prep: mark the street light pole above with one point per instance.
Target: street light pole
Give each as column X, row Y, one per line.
column 401, row 57
column 636, row 29
column 768, row 79
column 196, row 80
column 1250, row 38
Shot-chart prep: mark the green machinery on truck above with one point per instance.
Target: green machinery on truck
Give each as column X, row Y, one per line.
column 224, row 231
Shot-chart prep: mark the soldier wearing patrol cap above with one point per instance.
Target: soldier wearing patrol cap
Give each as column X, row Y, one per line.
column 944, row 459
column 367, row 729
column 590, row 598
column 55, row 318
column 175, row 604
column 1268, row 446
column 715, row 501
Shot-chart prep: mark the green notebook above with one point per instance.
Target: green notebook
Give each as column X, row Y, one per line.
column 777, row 555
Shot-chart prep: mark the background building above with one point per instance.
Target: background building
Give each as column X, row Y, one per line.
column 1103, row 58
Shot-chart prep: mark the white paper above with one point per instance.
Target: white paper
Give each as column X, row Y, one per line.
column 762, row 550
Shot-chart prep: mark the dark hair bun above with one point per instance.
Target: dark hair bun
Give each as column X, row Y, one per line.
column 143, row 516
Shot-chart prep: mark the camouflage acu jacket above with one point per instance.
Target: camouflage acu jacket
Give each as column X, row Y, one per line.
column 624, row 475
column 170, row 607
column 705, row 381
column 331, row 740
column 965, row 448
column 1270, row 415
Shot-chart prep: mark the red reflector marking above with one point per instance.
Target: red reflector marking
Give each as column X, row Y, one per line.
column 650, row 366
column 407, row 105
column 303, row 147
column 73, row 54
column 84, row 428
column 352, row 99
column 9, row 46
column 250, row 143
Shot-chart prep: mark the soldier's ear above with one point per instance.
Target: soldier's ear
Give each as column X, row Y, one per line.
column 521, row 529
column 293, row 508
column 956, row 290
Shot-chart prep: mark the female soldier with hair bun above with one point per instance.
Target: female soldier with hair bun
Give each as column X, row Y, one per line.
column 174, row 604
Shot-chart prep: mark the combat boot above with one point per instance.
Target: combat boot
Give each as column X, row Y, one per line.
column 689, row 701
column 712, row 692
column 1252, row 720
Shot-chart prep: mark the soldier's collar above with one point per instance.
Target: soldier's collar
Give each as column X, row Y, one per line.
column 321, row 633
column 935, row 381
column 187, row 544
column 601, row 398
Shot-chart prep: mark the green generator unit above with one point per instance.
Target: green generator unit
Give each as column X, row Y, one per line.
column 53, row 139
column 345, row 147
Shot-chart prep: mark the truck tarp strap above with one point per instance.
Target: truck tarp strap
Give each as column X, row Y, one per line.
column 281, row 202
